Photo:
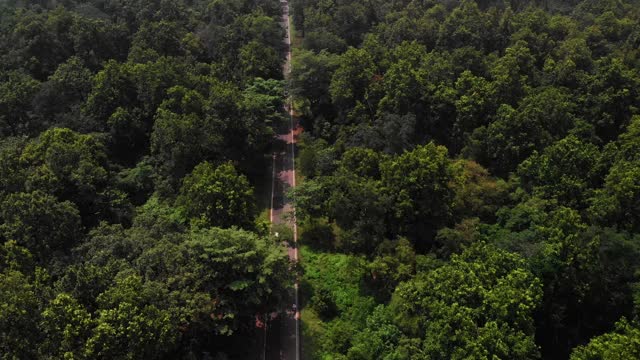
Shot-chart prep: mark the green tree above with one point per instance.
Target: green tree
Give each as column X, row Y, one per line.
column 65, row 90
column 565, row 171
column 240, row 273
column 540, row 119
column 155, row 39
column 17, row 91
column 263, row 102
column 311, row 78
column 395, row 263
column 40, row 223
column 477, row 194
column 258, row 60
column 217, row 196
column 325, row 40
column 19, row 317
column 180, row 142
column 622, row 343
column 112, row 88
column 131, row 332
column 466, row 25
column 13, row 176
column 379, row 340
column 67, row 325
column 418, row 182
column 618, row 201
column 479, row 305
column 615, row 97
column 358, row 205
column 474, row 106
column 73, row 167
column 351, row 80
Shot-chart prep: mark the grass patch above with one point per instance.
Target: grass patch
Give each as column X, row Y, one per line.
column 341, row 275
column 312, row 330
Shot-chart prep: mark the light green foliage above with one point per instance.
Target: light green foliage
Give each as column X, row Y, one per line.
column 263, row 100
column 68, row 325
column 338, row 277
column 622, row 343
column 63, row 160
column 512, row 73
column 130, row 332
column 16, row 257
column 466, row 25
column 475, row 103
column 405, row 79
column 130, row 323
column 480, row 305
column 378, row 340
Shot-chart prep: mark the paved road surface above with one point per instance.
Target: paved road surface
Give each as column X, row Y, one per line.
column 283, row 335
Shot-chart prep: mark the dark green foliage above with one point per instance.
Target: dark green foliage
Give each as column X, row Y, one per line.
column 17, row 91
column 427, row 103
column 105, row 108
column 217, row 196
column 323, row 303
column 40, row 223
column 19, row 316
column 470, row 178
column 419, row 181
column 566, row 171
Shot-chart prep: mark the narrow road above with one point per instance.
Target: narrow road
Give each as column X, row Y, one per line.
column 283, row 334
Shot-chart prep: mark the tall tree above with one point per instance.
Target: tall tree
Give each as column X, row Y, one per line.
column 218, row 196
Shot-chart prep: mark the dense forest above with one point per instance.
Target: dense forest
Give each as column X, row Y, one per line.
column 471, row 178
column 131, row 153
column 470, row 183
